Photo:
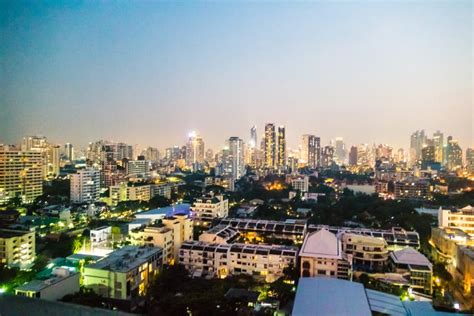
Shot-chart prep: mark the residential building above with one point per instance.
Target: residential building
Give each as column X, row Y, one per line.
column 465, row 269
column 462, row 219
column 270, row 146
column 138, row 168
column 69, row 152
column 169, row 235
column 281, row 152
column 17, row 248
column 210, row 207
column 310, row 151
column 85, row 186
column 322, row 256
column 236, row 157
column 415, row 266
column 368, row 253
column 125, row 273
column 220, row 234
column 194, row 150
column 61, row 282
column 300, row 184
column 470, row 160
column 353, row 156
column 453, row 155
column 221, row 260
column 412, row 188
column 21, row 174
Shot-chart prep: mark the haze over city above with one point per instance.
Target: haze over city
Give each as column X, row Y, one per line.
column 150, row 72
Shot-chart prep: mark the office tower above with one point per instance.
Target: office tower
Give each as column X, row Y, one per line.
column 281, row 154
column 417, row 141
column 124, row 151
column 353, row 156
column 428, row 154
column 400, row 157
column 453, row 154
column 383, row 152
column 52, row 161
column 138, row 168
column 21, row 174
column 270, row 146
column 209, row 155
column 194, row 150
column 340, row 151
column 69, row 152
column 327, row 156
column 470, row 160
column 253, row 137
column 151, row 154
column 310, row 151
column 85, row 186
column 438, row 143
column 236, row 157
column 172, row 153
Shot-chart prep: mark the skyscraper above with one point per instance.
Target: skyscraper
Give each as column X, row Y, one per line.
column 310, row 151
column 470, row 160
column 327, row 156
column 236, row 157
column 21, row 174
column 417, row 141
column 340, row 151
column 438, row 143
column 353, row 156
column 453, row 154
column 281, row 155
column 253, row 137
column 270, row 146
column 85, row 186
column 194, row 149
column 69, row 152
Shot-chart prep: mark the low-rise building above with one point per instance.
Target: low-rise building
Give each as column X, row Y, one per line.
column 322, row 256
column 209, row 207
column 17, row 248
column 220, row 234
column 125, row 273
column 62, row 282
column 415, row 266
column 462, row 219
column 169, row 235
column 368, row 253
column 413, row 189
column 221, row 260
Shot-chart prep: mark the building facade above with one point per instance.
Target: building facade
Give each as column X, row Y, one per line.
column 85, row 186
column 17, row 248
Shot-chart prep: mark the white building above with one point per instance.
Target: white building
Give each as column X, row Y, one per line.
column 416, row 266
column 221, row 260
column 321, row 256
column 368, row 253
column 301, row 184
column 17, row 248
column 138, row 168
column 100, row 235
column 85, row 186
column 61, row 283
column 210, row 207
column 462, row 219
column 125, row 273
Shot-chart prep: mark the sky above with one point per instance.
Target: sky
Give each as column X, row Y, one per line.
column 149, row 72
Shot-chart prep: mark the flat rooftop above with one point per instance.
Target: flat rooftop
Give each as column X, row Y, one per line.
column 9, row 233
column 125, row 259
column 168, row 211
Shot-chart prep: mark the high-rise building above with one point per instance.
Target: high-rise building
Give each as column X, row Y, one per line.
column 417, row 141
column 194, row 150
column 236, row 152
column 124, row 151
column 453, row 155
column 253, row 137
column 35, row 143
column 85, row 186
column 21, row 174
column 138, row 168
column 152, row 154
column 470, row 160
column 69, row 152
column 270, row 146
column 327, row 156
column 281, row 154
column 353, row 156
column 310, row 151
column 49, row 152
column 52, row 161
column 438, row 143
column 340, row 151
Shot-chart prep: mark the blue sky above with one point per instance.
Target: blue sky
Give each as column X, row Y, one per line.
column 149, row 72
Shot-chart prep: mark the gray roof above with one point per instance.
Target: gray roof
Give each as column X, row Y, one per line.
column 328, row 296
column 125, row 259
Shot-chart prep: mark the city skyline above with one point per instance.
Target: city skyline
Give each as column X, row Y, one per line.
column 148, row 74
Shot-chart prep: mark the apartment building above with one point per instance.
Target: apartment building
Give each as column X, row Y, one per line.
column 462, row 219
column 85, row 186
column 221, row 260
column 17, row 248
column 125, row 273
column 210, row 207
column 413, row 189
column 415, row 266
column 169, row 235
column 368, row 253
column 322, row 256
column 61, row 282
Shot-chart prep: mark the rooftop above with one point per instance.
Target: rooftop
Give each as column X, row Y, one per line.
column 125, row 259
column 38, row 285
column 178, row 209
column 9, row 233
column 322, row 243
column 410, row 256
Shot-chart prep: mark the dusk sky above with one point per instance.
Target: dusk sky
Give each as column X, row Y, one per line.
column 149, row 72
